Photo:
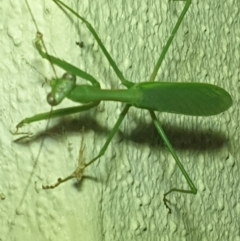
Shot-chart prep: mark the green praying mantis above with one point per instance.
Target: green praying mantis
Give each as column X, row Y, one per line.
column 194, row 99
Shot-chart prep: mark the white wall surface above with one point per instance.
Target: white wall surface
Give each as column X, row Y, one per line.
column 123, row 199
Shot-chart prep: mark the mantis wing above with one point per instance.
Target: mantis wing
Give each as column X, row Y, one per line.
column 196, row 99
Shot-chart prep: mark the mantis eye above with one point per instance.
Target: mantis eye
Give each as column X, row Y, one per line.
column 69, row 77
column 51, row 100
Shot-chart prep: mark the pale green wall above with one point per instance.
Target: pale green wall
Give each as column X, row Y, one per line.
column 125, row 202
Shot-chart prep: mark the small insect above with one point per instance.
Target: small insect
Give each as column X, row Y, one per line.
column 80, row 44
column 194, row 99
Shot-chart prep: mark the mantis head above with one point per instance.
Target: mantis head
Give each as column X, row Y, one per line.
column 61, row 88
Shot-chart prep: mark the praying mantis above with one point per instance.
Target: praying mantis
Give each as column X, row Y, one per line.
column 194, row 99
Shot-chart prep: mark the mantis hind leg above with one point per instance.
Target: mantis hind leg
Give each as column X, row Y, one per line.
column 193, row 189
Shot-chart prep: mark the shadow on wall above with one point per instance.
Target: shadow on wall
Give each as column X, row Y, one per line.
column 180, row 138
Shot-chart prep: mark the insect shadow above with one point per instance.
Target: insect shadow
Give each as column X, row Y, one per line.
column 181, row 138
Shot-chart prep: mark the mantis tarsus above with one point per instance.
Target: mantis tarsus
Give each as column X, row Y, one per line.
column 196, row 99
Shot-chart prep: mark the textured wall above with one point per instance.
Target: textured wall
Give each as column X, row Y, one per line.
column 123, row 198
